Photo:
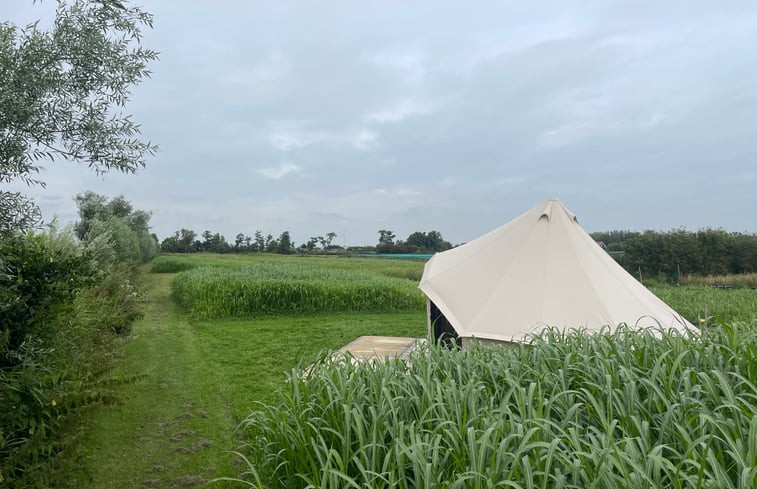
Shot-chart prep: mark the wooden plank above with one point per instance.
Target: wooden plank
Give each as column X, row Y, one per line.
column 382, row 346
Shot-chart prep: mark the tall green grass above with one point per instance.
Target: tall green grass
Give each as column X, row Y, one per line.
column 621, row 410
column 172, row 264
column 741, row 280
column 700, row 302
column 270, row 288
column 409, row 269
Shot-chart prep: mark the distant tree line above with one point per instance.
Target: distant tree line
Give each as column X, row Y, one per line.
column 187, row 241
column 417, row 242
column 653, row 253
column 703, row 252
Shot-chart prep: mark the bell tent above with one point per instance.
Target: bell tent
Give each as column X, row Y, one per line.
column 538, row 270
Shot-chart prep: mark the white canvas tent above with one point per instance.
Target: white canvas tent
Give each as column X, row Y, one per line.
column 540, row 269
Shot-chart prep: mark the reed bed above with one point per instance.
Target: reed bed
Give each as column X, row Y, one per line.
column 736, row 281
column 621, row 410
column 273, row 288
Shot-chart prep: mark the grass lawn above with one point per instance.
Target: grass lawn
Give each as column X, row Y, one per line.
column 251, row 357
column 174, row 425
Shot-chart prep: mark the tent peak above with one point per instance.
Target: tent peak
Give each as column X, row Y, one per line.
column 549, row 208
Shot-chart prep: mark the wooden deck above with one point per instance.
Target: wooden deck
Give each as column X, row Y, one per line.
column 375, row 349
column 381, row 347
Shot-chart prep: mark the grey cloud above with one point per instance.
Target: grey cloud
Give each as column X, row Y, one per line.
column 280, row 171
column 353, row 116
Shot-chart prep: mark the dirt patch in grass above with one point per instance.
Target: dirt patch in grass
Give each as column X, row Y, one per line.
column 195, row 447
column 183, row 434
column 188, row 481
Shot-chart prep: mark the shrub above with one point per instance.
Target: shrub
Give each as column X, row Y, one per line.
column 41, row 275
column 116, row 234
column 113, row 304
column 148, row 245
column 58, row 313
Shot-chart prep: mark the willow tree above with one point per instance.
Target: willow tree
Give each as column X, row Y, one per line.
column 62, row 94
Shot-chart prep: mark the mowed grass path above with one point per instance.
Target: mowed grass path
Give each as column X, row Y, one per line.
column 171, row 427
column 175, row 423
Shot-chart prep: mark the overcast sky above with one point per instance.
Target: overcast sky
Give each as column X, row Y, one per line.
column 357, row 116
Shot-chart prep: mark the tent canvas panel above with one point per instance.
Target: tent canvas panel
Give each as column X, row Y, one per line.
column 540, row 269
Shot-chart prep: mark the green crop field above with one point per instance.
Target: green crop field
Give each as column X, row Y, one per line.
column 621, row 410
column 700, row 302
column 409, row 269
column 269, row 288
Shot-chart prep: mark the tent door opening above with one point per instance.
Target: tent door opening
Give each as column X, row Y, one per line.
column 440, row 328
